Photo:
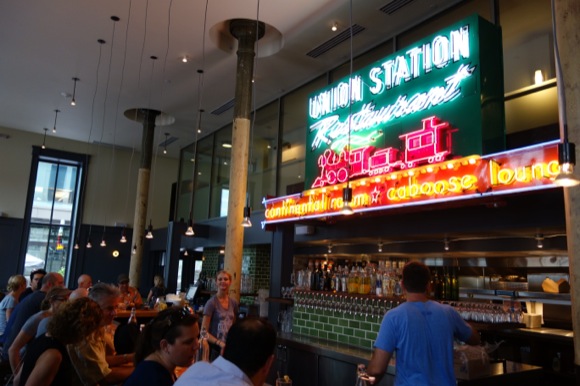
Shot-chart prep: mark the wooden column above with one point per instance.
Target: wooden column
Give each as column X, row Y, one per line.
column 147, row 117
column 567, row 16
column 247, row 32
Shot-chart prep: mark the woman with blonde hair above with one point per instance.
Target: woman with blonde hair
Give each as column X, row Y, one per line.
column 219, row 313
column 16, row 285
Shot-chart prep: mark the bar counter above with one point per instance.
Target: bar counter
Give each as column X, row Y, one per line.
column 314, row 361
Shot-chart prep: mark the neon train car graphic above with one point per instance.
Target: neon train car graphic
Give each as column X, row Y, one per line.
column 431, row 144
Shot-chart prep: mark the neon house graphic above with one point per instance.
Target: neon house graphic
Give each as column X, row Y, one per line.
column 430, row 144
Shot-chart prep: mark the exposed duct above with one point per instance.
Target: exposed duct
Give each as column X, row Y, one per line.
column 335, row 41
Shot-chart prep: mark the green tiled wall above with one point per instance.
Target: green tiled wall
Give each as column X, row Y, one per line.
column 337, row 326
column 255, row 261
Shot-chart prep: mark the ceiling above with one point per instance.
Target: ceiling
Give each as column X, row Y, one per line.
column 46, row 44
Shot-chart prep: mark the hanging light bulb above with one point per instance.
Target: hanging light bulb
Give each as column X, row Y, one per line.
column 346, row 199
column 89, row 244
column 539, row 240
column 185, row 253
column 149, row 234
column 329, row 248
column 123, row 238
column 190, row 232
column 567, row 160
column 246, row 223
column 76, row 246
column 446, row 244
column 165, row 143
column 55, row 117
column 380, row 246
column 103, row 242
column 73, row 101
column 44, row 139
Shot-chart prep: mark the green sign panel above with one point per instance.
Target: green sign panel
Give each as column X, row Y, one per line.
column 438, row 99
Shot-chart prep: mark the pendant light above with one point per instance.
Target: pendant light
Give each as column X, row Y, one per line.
column 73, row 101
column 44, row 139
column 165, row 143
column 55, row 117
column 149, row 234
column 566, row 149
column 347, row 191
column 123, row 237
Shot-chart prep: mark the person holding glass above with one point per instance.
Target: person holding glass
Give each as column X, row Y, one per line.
column 168, row 341
column 219, row 313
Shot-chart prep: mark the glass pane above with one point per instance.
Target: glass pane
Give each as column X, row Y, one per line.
column 293, row 143
column 221, row 171
column 55, row 193
column 263, row 154
column 202, row 178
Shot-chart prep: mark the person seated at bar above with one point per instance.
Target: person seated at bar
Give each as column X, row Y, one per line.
column 47, row 361
column 84, row 283
column 130, row 296
column 16, row 284
column 89, row 357
column 421, row 332
column 247, row 358
column 158, row 290
column 36, row 277
column 168, row 341
column 54, row 299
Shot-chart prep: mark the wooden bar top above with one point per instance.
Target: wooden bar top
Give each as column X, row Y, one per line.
column 138, row 313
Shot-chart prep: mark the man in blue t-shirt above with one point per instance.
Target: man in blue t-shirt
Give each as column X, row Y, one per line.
column 421, row 333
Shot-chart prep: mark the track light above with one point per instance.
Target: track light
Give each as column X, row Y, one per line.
column 446, row 244
column 55, row 117
column 44, row 139
column 73, row 101
column 346, row 199
column 380, row 246
column 149, row 234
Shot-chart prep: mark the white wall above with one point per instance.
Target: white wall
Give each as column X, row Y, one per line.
column 110, row 195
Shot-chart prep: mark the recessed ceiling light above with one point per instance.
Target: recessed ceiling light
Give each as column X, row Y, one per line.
column 334, row 27
column 184, row 59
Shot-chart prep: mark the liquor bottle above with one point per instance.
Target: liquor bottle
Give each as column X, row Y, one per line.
column 454, row 286
column 132, row 317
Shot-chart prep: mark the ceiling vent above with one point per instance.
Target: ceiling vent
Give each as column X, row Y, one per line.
column 168, row 142
column 394, row 6
column 335, row 41
column 225, row 107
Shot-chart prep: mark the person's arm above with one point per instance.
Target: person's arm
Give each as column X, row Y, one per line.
column 379, row 363
column 8, row 313
column 45, row 369
column 118, row 360
column 474, row 339
column 137, row 299
column 117, row 375
column 150, row 295
column 14, row 351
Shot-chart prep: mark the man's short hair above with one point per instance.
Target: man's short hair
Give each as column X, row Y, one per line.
column 36, row 272
column 416, row 277
column 250, row 342
column 101, row 291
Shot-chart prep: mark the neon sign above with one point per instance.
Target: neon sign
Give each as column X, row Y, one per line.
column 441, row 75
column 463, row 178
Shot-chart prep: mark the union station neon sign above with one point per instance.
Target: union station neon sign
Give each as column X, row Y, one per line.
column 469, row 177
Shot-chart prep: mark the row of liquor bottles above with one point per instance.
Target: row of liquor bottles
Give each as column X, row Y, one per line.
column 381, row 279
